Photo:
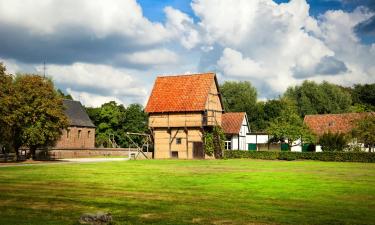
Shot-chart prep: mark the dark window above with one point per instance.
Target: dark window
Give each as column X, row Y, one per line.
column 79, row 134
column 67, row 133
column 174, row 154
column 178, row 141
column 88, row 134
column 228, row 145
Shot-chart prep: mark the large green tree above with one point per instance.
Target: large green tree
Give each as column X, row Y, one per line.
column 313, row 98
column 242, row 97
column 113, row 121
column 364, row 95
column 289, row 126
column 6, row 109
column 39, row 113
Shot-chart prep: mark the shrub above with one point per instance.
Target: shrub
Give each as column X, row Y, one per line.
column 320, row 156
column 333, row 142
column 214, row 142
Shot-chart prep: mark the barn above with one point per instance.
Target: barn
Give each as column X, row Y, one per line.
column 180, row 109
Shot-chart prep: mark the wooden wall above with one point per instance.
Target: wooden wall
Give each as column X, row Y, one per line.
column 166, row 142
column 191, row 119
column 214, row 107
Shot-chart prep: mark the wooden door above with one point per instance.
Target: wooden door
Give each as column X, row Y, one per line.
column 198, row 152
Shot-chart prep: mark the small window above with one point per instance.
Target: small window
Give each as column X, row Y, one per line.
column 174, row 154
column 79, row 133
column 331, row 123
column 178, row 141
column 88, row 134
column 67, row 133
column 228, row 145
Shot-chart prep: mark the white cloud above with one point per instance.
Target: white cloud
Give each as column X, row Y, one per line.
column 232, row 62
column 151, row 57
column 103, row 18
column 272, row 45
column 182, row 27
column 91, row 99
column 275, row 45
column 97, row 80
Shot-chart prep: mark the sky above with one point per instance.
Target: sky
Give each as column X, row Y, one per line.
column 100, row 51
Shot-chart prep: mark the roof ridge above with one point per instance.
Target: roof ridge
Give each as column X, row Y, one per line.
column 184, row 75
column 334, row 114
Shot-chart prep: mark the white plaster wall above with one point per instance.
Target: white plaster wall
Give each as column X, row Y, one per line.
column 234, row 142
column 261, row 139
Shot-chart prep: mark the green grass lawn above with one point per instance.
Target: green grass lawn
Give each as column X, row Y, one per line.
column 191, row 192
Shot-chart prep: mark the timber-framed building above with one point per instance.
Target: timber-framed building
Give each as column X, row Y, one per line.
column 180, row 109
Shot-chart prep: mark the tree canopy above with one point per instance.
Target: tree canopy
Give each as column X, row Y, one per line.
column 32, row 112
column 313, row 98
column 114, row 120
column 365, row 131
column 289, row 127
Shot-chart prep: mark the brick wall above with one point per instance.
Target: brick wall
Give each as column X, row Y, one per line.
column 96, row 152
column 77, row 137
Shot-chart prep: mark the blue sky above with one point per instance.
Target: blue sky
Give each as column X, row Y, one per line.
column 99, row 51
column 154, row 9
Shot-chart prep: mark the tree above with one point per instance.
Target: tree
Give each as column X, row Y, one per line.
column 115, row 120
column 333, row 142
column 39, row 113
column 365, row 131
column 6, row 116
column 289, row 127
column 242, row 97
column 364, row 95
column 313, row 98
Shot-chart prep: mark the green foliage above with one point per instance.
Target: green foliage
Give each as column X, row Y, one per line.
column 31, row 112
column 320, row 156
column 113, row 120
column 238, row 96
column 39, row 112
column 242, row 97
column 313, row 98
column 365, row 131
column 333, row 142
column 288, row 126
column 364, row 95
column 214, row 142
column 7, row 118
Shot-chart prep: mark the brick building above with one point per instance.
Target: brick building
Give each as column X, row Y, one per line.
column 81, row 131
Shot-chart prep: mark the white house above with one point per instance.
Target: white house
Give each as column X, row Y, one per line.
column 236, row 128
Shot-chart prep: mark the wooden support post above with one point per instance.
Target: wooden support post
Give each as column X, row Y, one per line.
column 187, row 143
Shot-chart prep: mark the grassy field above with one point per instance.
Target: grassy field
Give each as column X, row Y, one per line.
column 191, row 192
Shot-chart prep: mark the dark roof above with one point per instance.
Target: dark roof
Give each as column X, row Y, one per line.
column 232, row 122
column 181, row 93
column 334, row 123
column 77, row 114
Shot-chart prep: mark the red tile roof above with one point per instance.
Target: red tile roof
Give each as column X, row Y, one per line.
column 334, row 123
column 180, row 93
column 232, row 122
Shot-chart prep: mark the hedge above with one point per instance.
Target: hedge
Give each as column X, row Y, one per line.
column 368, row 157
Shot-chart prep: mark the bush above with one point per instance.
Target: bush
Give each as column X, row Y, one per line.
column 320, row 156
column 333, row 142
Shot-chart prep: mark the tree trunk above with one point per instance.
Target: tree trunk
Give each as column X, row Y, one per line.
column 32, row 152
